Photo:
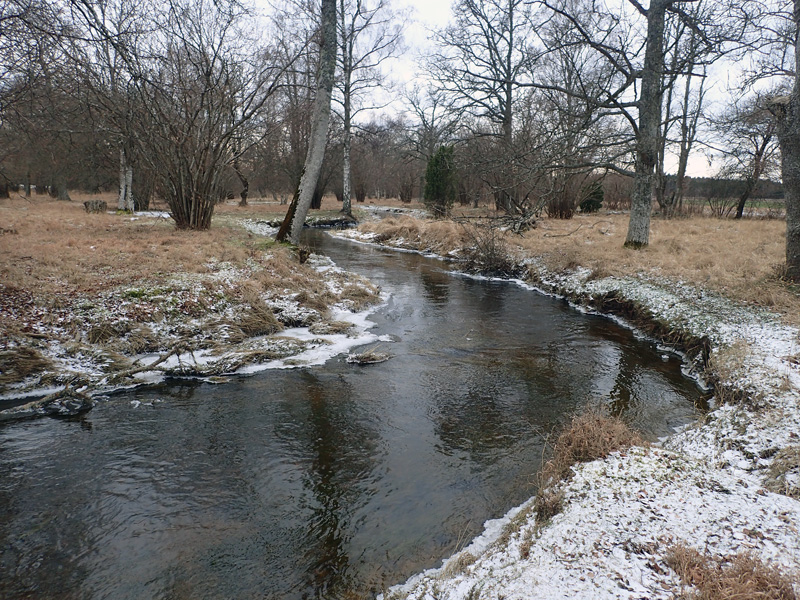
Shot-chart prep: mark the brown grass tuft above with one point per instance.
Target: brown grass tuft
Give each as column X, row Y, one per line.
column 437, row 236
column 330, row 327
column 360, row 297
column 784, row 472
column 458, row 564
column 19, row 363
column 258, row 319
column 589, row 436
column 742, row 576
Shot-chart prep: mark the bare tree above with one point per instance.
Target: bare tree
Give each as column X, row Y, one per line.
column 484, row 62
column 685, row 59
column 747, row 142
column 636, row 53
column 368, row 36
column 197, row 81
column 296, row 215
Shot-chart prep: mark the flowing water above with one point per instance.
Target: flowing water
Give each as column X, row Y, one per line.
column 335, row 481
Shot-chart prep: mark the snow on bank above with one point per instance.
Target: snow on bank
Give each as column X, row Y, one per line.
column 707, row 486
column 192, row 324
column 622, row 515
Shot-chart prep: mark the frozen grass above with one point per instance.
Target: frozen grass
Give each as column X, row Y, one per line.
column 740, row 577
column 19, row 362
column 102, row 297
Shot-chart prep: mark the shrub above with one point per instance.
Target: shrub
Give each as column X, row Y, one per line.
column 440, row 182
column 488, row 253
column 592, row 198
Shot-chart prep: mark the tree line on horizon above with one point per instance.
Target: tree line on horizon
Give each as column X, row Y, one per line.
column 194, row 101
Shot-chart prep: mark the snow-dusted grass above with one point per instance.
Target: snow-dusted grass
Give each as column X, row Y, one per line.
column 709, row 487
column 242, row 305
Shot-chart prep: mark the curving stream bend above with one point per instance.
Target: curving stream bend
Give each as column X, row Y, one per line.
column 335, row 481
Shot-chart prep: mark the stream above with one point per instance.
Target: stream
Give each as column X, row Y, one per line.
column 335, row 481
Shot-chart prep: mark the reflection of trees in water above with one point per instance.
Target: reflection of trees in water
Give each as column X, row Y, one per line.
column 623, row 395
column 338, row 447
column 435, row 285
column 479, row 409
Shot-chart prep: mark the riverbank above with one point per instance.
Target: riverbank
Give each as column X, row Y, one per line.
column 726, row 488
column 90, row 303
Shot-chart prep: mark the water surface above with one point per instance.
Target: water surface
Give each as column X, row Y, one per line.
column 328, row 482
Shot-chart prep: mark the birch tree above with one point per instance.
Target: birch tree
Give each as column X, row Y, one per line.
column 368, row 36
column 296, row 215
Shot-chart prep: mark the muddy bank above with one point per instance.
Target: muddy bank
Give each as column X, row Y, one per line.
column 727, row 487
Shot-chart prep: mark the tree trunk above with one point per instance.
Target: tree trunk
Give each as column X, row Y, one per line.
column 347, row 207
column 649, row 125
column 758, row 162
column 125, row 200
column 788, row 112
column 129, row 204
column 319, row 126
column 244, row 181
column 62, row 191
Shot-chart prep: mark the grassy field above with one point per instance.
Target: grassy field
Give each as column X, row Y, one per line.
column 57, row 247
column 82, row 295
column 741, row 259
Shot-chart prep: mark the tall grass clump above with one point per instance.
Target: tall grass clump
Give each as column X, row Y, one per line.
column 742, row 576
column 588, row 436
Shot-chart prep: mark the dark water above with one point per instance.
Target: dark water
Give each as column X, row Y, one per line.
column 335, row 481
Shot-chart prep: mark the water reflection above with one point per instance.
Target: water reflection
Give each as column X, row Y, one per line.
column 331, row 482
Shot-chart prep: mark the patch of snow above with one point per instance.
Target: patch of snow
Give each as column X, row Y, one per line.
column 261, row 228
column 153, row 214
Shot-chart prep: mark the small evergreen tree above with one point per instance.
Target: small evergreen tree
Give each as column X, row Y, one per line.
column 440, row 182
column 593, row 197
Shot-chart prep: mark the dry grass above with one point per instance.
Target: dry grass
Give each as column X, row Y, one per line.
column 368, row 357
column 740, row 577
column 59, row 248
column 258, row 318
column 18, row 363
column 784, row 472
column 589, row 436
column 437, row 236
column 740, row 259
column 458, row 564
column 736, row 258
column 331, row 327
column 64, row 271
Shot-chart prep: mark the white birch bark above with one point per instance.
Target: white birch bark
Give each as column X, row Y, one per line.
column 320, row 119
column 125, row 200
column 129, row 205
column 122, row 180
